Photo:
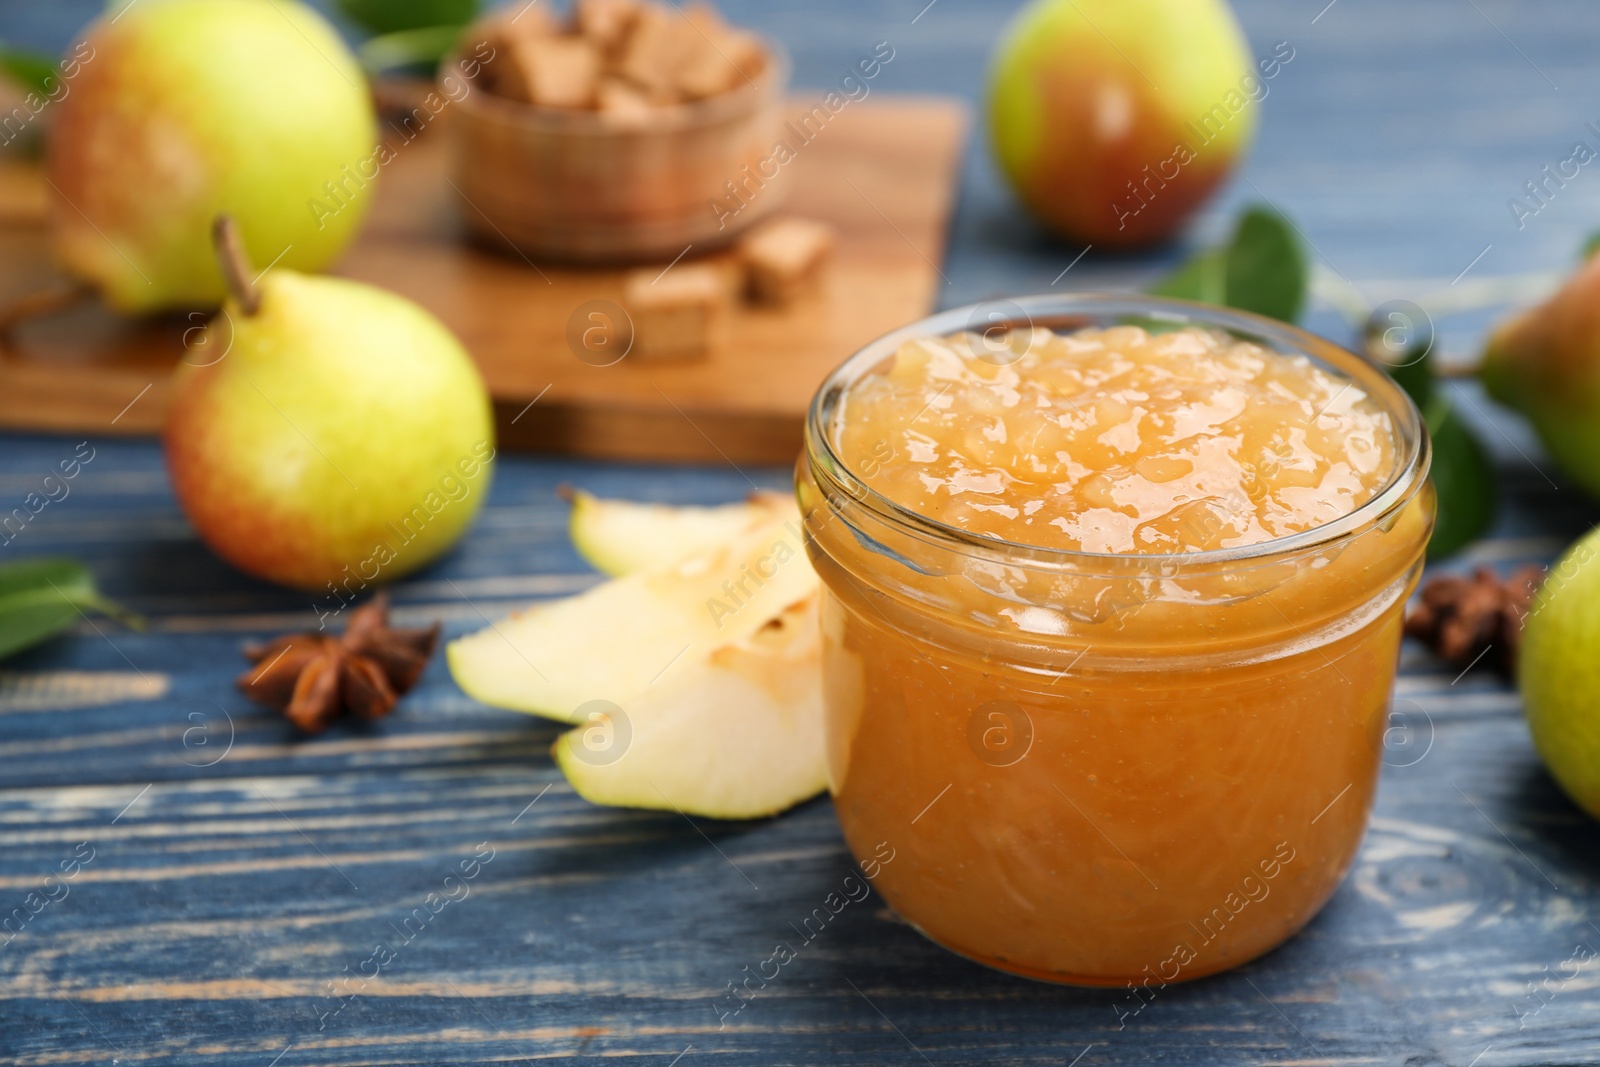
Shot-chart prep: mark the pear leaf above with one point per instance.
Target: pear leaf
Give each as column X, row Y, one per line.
column 30, row 70
column 408, row 48
column 1262, row 269
column 1202, row 279
column 1462, row 478
column 1267, row 271
column 41, row 597
column 1411, row 365
column 1591, row 245
column 395, row 16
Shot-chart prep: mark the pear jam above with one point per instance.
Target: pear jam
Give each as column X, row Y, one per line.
column 1118, row 440
column 1111, row 620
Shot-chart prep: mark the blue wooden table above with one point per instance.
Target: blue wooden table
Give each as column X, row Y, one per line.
column 229, row 885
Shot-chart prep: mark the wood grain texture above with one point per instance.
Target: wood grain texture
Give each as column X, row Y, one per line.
column 882, row 171
column 214, row 913
column 236, row 871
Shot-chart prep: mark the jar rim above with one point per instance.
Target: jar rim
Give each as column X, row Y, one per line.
column 1077, row 311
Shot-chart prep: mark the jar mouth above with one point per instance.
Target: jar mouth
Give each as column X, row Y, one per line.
column 1080, row 310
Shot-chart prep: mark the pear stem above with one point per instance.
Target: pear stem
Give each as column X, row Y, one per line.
column 1458, row 370
column 235, row 264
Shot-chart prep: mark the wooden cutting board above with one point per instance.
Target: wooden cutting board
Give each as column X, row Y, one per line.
column 884, row 172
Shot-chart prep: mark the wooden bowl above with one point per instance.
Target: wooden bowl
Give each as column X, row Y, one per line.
column 580, row 186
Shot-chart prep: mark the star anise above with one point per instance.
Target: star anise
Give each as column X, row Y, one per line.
column 1465, row 619
column 314, row 677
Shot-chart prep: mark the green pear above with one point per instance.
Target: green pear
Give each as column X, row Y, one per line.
column 1115, row 119
column 1545, row 363
column 327, row 435
column 187, row 109
column 1559, row 672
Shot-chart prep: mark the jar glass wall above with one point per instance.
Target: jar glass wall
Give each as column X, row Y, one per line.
column 1099, row 768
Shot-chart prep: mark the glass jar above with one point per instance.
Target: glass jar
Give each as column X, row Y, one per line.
column 1096, row 768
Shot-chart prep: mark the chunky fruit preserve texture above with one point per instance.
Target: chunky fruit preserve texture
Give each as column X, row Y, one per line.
column 1120, row 770
column 1118, row 440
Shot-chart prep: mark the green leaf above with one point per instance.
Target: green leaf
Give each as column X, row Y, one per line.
column 1591, row 245
column 1414, row 371
column 394, row 16
column 1262, row 269
column 41, row 597
column 1462, row 478
column 33, row 71
column 408, row 48
column 1267, row 271
column 1202, row 279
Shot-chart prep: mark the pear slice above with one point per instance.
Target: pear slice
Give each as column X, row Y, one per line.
column 614, row 642
column 738, row 735
column 619, row 537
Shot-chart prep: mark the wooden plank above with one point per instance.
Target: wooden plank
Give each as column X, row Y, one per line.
column 231, row 904
column 882, row 171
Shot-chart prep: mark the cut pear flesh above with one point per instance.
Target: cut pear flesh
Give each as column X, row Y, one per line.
column 620, row 639
column 737, row 735
column 619, row 537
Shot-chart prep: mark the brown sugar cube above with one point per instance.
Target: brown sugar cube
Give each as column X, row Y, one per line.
column 679, row 314
column 562, row 71
column 623, row 104
column 783, row 258
column 717, row 57
column 725, row 62
column 500, row 74
column 656, row 50
column 514, row 22
column 504, row 72
column 529, row 20
column 705, row 18
column 606, row 22
column 511, row 70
